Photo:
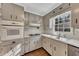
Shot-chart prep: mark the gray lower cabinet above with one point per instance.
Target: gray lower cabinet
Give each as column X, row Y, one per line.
column 35, row 43
column 35, row 19
column 46, row 43
column 73, row 51
column 54, row 48
column 18, row 13
column 59, row 48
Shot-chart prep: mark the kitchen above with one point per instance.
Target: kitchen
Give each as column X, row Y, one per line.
column 54, row 29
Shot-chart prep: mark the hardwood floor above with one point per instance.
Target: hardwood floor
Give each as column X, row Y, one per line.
column 38, row 52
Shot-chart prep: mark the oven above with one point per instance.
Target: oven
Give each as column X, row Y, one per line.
column 11, row 30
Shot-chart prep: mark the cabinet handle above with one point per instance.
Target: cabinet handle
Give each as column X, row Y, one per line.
column 53, row 11
column 50, row 45
column 16, row 17
column 54, row 48
column 61, row 8
column 11, row 16
column 65, row 52
column 76, row 20
column 69, row 4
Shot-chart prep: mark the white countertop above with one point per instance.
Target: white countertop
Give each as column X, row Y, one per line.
column 5, row 47
column 73, row 42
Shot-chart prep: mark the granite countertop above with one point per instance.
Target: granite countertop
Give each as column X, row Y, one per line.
column 73, row 42
column 5, row 47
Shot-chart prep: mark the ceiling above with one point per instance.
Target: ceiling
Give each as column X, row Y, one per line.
column 39, row 8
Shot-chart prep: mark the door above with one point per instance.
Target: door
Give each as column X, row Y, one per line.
column 7, row 11
column 59, row 48
column 18, row 13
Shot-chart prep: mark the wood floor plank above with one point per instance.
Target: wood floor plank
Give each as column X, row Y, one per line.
column 38, row 52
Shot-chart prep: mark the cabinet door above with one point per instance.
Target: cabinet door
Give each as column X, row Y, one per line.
column 31, row 18
column 18, row 13
column 26, row 45
column 7, row 11
column 59, row 49
column 26, row 15
column 63, row 7
column 34, row 18
column 38, row 42
column 47, row 45
column 32, row 43
column 73, row 51
column 75, row 14
column 44, row 43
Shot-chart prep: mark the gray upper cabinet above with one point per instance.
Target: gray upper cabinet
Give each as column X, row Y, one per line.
column 7, row 11
column 63, row 7
column 75, row 15
column 12, row 12
column 34, row 18
column 18, row 13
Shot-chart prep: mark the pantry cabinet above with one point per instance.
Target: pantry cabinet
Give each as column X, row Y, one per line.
column 12, row 12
